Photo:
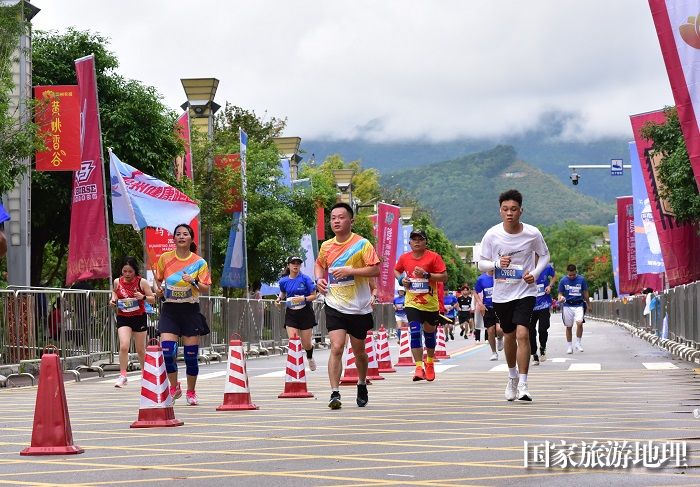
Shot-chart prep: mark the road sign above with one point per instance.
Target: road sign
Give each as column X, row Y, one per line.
column 616, row 167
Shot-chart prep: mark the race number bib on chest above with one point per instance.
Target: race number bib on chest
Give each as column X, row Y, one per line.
column 296, row 302
column 128, row 305
column 540, row 290
column 513, row 274
column 339, row 282
column 178, row 293
column 420, row 286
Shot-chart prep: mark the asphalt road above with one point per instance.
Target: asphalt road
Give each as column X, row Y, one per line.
column 458, row 430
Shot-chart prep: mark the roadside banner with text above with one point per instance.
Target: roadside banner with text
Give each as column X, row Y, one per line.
column 648, row 248
column 631, row 282
column 388, row 220
column 88, row 244
column 183, row 164
column 233, row 274
column 615, row 256
column 678, row 28
column 680, row 243
column 58, row 118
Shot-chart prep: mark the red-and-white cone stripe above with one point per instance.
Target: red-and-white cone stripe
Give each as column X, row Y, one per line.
column 350, row 373
column 405, row 355
column 372, row 362
column 441, row 346
column 383, row 354
column 295, row 376
column 156, row 405
column 236, row 390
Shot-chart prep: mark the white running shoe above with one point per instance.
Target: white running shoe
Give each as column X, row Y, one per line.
column 499, row 343
column 121, row 381
column 312, row 364
column 543, row 355
column 523, row 393
column 579, row 348
column 569, row 350
column 191, row 398
column 494, row 356
column 511, row 388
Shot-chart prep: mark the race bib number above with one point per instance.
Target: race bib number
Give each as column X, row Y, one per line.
column 574, row 291
column 128, row 305
column 296, row 302
column 420, row 286
column 513, row 274
column 342, row 282
column 176, row 294
column 466, row 307
column 540, row 290
column 399, row 307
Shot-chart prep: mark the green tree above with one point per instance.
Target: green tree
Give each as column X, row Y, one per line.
column 678, row 185
column 18, row 141
column 135, row 123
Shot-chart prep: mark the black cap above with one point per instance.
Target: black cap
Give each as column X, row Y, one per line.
column 420, row 233
column 294, row 258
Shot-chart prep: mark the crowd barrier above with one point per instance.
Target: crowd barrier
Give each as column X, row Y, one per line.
column 675, row 316
column 81, row 325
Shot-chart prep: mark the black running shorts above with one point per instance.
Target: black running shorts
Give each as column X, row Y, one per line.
column 355, row 325
column 514, row 313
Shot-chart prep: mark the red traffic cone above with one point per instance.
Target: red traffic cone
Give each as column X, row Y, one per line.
column 51, row 434
column 236, row 390
column 383, row 355
column 156, row 405
column 405, row 355
column 295, row 376
column 441, row 347
column 350, row 374
column 372, row 363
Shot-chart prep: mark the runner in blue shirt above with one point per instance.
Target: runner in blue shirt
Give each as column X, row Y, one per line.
column 573, row 295
column 400, row 312
column 541, row 313
column 450, row 302
column 483, row 290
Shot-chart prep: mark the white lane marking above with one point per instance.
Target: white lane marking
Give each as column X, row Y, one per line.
column 500, row 368
column 276, row 373
column 560, row 360
column 659, row 365
column 399, row 475
column 212, row 375
column 439, row 368
column 583, row 367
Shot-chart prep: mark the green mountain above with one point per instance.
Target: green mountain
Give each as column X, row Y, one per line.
column 463, row 193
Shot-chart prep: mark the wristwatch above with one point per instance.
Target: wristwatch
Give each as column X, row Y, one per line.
column 426, row 275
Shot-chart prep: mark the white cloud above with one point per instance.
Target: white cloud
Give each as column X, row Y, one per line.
column 393, row 69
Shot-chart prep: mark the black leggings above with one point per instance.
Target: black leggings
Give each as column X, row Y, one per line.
column 543, row 316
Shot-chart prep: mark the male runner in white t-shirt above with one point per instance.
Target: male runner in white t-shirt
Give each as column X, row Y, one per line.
column 517, row 254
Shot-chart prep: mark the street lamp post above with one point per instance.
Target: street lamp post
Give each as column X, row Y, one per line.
column 288, row 147
column 200, row 94
column 406, row 213
column 343, row 180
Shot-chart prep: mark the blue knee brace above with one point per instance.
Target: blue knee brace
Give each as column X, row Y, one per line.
column 169, row 355
column 415, row 328
column 191, row 362
column 429, row 339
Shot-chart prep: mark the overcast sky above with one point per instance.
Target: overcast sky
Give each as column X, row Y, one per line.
column 393, row 69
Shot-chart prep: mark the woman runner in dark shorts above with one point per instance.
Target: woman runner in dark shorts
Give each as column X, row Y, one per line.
column 184, row 275
column 129, row 294
column 298, row 291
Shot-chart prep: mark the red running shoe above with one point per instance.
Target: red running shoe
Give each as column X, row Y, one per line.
column 419, row 374
column 429, row 371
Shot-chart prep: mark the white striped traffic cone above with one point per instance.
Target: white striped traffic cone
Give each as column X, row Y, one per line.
column 236, row 390
column 372, row 362
column 405, row 355
column 441, row 346
column 156, row 406
column 383, row 355
column 350, row 374
column 295, row 376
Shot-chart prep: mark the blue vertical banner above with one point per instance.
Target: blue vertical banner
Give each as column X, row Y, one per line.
column 402, row 242
column 233, row 275
column 286, row 179
column 244, row 178
column 614, row 254
column 647, row 246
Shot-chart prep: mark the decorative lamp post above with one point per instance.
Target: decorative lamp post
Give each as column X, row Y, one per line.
column 288, row 147
column 343, row 180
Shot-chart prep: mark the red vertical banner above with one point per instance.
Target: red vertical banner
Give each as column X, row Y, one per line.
column 630, row 281
column 373, row 219
column 234, row 162
column 88, row 244
column 680, row 243
column 58, row 117
column 320, row 224
column 678, row 28
column 388, row 218
column 159, row 240
column 183, row 164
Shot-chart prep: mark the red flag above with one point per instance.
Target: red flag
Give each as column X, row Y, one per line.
column 388, row 218
column 88, row 246
column 233, row 161
column 160, row 240
column 680, row 243
column 678, row 27
column 373, row 219
column 320, row 224
column 184, row 123
column 630, row 281
column 58, row 118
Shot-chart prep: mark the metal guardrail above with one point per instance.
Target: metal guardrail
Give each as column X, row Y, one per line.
column 679, row 306
column 82, row 326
